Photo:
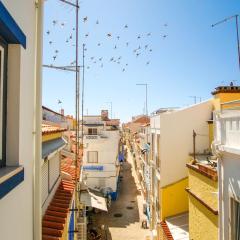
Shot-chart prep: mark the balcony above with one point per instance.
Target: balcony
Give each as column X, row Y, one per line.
column 227, row 133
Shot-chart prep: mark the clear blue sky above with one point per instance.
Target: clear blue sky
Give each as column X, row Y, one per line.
column 192, row 60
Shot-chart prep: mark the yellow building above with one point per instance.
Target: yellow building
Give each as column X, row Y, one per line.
column 203, row 179
column 203, row 200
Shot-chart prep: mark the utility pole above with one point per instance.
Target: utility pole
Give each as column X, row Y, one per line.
column 83, row 83
column 146, row 95
column 237, row 32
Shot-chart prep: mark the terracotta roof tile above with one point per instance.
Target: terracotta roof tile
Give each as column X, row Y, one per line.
column 47, row 129
column 166, row 230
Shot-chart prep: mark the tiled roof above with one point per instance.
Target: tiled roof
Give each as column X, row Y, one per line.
column 55, row 217
column 166, row 230
column 113, row 122
column 47, row 129
column 56, row 214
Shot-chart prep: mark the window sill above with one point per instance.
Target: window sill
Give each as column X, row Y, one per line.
column 10, row 177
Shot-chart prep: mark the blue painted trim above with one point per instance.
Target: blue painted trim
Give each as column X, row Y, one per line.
column 71, row 225
column 9, row 29
column 11, row 183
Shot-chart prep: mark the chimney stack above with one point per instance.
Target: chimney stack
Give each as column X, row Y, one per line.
column 104, row 115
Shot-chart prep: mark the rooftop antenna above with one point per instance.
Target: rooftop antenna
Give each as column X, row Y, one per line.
column 195, row 99
column 237, row 33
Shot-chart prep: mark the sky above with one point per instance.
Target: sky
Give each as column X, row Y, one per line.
column 191, row 60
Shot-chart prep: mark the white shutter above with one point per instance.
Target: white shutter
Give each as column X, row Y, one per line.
column 44, row 181
column 54, row 170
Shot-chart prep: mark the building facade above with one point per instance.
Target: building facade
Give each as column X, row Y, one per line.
column 227, row 149
column 20, row 119
column 101, row 166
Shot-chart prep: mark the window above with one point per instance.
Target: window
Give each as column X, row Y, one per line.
column 235, row 219
column 92, row 157
column 92, row 131
column 3, row 83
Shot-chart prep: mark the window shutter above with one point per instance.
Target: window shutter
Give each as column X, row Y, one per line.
column 44, row 181
column 54, row 170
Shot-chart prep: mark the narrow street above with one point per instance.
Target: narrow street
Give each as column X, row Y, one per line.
column 129, row 207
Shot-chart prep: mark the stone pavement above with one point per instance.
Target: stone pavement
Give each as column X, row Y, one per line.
column 130, row 205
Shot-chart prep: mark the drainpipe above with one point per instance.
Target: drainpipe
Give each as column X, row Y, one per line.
column 37, row 208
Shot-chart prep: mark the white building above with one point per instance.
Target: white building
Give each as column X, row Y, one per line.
column 171, row 144
column 227, row 148
column 20, row 119
column 100, row 156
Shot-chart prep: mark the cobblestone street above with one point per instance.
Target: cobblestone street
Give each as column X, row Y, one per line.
column 129, row 205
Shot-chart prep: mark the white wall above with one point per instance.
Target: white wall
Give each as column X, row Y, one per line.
column 176, row 141
column 107, row 149
column 229, row 180
column 16, row 208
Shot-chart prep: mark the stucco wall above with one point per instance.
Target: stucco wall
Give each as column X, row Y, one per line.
column 16, row 208
column 176, row 140
column 229, row 187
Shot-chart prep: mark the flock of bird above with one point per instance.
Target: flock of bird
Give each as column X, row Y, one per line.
column 137, row 51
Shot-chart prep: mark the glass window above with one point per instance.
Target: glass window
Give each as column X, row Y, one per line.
column 92, row 157
column 92, row 131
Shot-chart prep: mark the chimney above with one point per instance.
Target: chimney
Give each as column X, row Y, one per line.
column 62, row 111
column 104, row 115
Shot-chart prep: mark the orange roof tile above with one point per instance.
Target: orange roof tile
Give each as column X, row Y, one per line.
column 47, row 129
column 166, row 230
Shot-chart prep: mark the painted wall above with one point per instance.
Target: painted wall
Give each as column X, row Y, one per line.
column 16, row 208
column 229, row 187
column 203, row 224
column 176, row 141
column 174, row 199
column 107, row 149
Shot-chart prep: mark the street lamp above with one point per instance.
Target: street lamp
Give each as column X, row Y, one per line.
column 146, row 93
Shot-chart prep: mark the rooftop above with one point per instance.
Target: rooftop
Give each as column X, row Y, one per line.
column 226, row 89
column 49, row 129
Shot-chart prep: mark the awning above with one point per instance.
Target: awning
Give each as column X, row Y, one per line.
column 89, row 199
column 52, row 146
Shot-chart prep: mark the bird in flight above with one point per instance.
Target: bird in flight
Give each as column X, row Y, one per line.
column 147, row 63
column 100, row 59
column 115, row 47
column 139, row 37
column 48, row 32
column 67, row 41
column 70, row 36
column 139, row 47
column 59, row 101
column 54, row 22
column 127, row 43
column 149, row 34
column 54, row 58
column 164, row 36
column 126, row 26
column 123, row 70
column 118, row 37
column 150, row 50
column 92, row 58
column 111, row 59
column 165, row 25
column 109, row 34
column 56, row 51
column 97, row 22
column 146, row 46
column 137, row 54
column 126, row 64
column 85, row 19
column 87, row 34
column 99, row 44
column 50, row 42
column 119, row 58
column 62, row 24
